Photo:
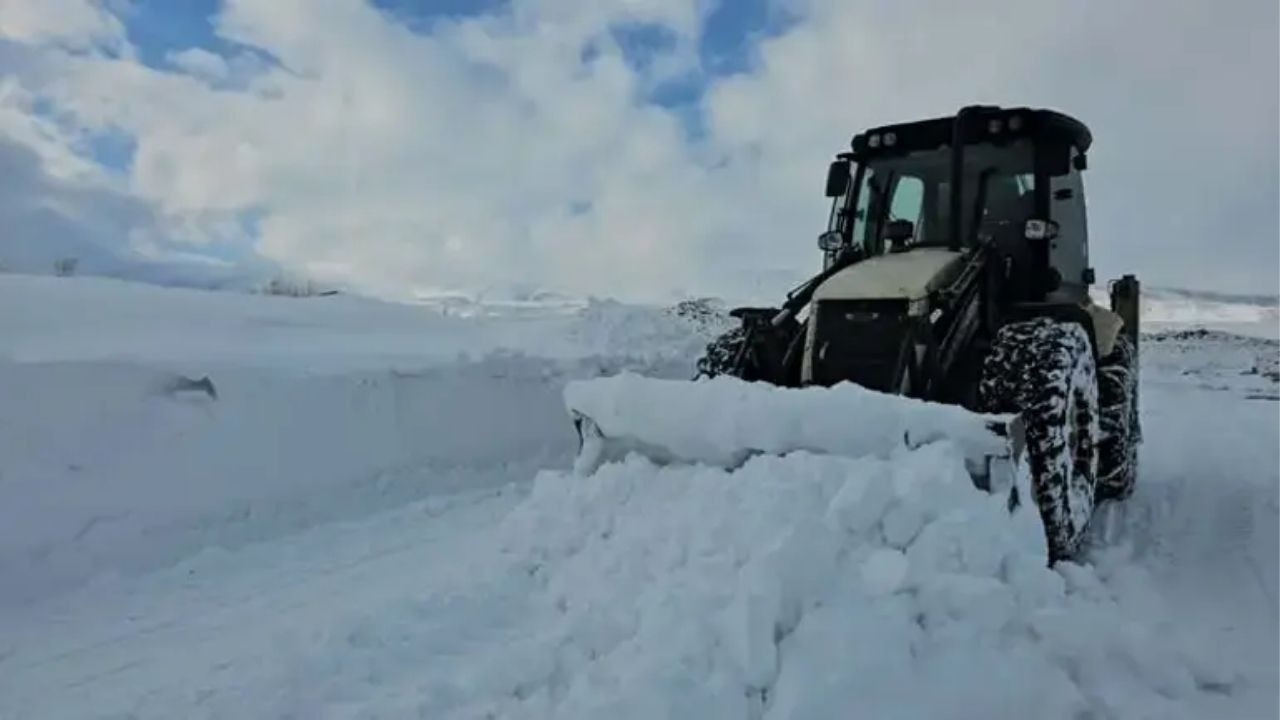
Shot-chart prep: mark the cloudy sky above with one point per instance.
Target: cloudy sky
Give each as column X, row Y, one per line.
column 628, row 148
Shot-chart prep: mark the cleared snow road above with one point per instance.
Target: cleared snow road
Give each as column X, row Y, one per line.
column 1203, row 521
column 299, row 627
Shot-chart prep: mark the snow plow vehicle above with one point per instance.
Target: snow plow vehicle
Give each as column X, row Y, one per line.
column 955, row 273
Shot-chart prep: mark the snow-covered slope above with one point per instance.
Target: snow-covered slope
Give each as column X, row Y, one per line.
column 356, row 527
column 1171, row 308
column 93, row 319
column 114, row 456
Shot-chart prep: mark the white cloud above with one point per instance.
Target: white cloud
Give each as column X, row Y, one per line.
column 77, row 24
column 51, row 142
column 488, row 153
column 201, row 63
column 1182, row 101
column 399, row 159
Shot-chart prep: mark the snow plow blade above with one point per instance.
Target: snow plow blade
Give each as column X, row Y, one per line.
column 724, row 421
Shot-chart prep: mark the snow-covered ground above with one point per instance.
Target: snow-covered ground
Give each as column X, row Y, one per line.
column 374, row 517
column 114, row 458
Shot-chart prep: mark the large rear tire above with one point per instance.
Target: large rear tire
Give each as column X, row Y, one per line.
column 1045, row 371
column 1120, row 432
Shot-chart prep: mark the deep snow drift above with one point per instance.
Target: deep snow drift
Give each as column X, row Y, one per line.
column 809, row 586
column 326, row 538
column 115, row 458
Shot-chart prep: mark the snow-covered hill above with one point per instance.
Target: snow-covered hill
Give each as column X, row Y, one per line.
column 366, row 512
column 1167, row 309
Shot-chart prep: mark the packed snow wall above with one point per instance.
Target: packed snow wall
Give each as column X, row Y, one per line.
column 116, row 467
column 213, row 419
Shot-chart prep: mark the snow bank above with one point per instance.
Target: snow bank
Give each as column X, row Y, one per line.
column 115, row 457
column 723, row 420
column 112, row 468
column 813, row 586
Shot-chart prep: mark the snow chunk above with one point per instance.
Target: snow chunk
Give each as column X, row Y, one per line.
column 797, row 586
column 884, row 571
column 862, row 500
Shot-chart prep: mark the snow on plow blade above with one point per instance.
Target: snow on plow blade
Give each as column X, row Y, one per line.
column 724, row 421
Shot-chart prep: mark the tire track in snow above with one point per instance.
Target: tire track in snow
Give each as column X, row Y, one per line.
column 209, row 632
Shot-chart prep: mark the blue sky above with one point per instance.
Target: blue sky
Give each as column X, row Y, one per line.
column 647, row 148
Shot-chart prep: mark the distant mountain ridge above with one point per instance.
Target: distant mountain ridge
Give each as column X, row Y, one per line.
column 1214, row 296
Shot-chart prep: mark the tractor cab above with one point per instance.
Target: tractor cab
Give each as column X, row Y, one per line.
column 1003, row 179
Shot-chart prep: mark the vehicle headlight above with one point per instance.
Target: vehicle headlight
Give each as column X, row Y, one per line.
column 1040, row 229
column 830, row 240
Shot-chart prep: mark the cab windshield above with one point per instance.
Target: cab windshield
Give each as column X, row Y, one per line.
column 997, row 191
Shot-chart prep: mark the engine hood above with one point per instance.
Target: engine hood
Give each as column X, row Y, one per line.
column 910, row 275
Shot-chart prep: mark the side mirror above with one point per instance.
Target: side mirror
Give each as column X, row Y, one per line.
column 1040, row 230
column 838, row 178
